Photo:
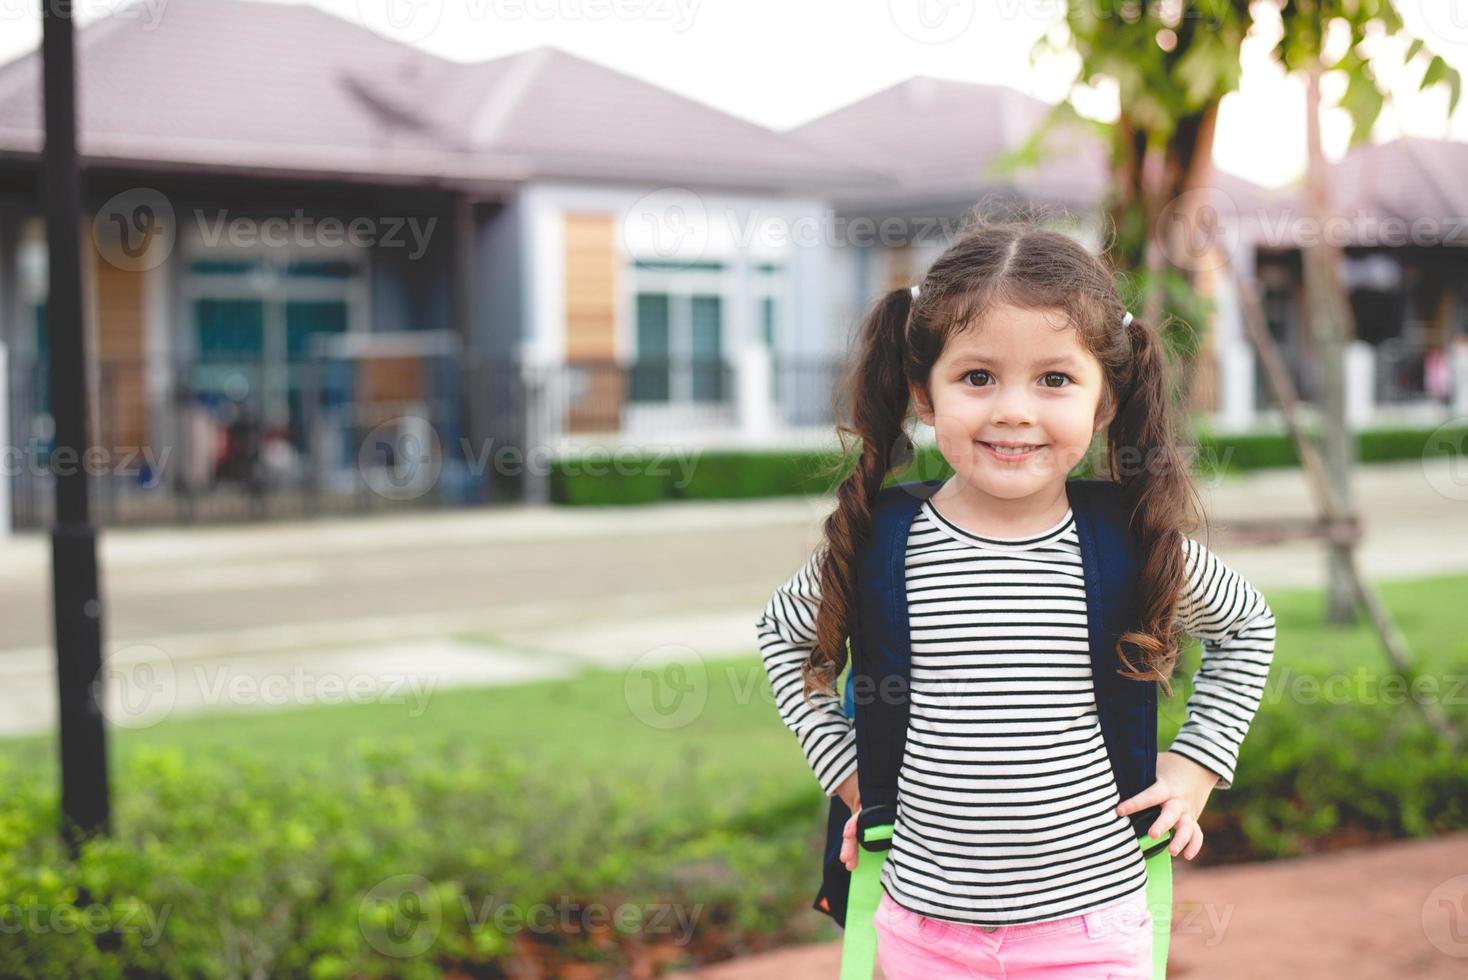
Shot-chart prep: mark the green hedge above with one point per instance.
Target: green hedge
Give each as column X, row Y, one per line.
column 429, row 859
column 733, row 474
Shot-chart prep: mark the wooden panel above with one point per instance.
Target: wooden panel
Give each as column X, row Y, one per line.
column 591, row 299
column 596, row 405
column 1201, row 394
column 590, row 260
column 898, row 274
column 123, row 410
column 391, row 379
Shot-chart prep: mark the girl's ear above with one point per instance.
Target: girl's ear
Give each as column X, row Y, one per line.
column 1105, row 412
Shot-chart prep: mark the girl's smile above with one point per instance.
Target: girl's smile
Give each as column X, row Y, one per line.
column 1011, row 452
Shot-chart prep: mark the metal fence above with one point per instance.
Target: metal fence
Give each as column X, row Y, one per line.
column 231, row 439
column 225, row 439
column 658, row 399
column 237, row 439
column 1397, row 373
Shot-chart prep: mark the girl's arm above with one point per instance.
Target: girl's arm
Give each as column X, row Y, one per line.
column 1236, row 628
column 787, row 634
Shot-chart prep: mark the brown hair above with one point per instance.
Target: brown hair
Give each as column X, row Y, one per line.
column 1021, row 264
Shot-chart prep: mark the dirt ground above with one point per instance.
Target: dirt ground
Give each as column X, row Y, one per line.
column 1395, row 911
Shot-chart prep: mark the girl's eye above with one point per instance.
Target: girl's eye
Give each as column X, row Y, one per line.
column 1049, row 374
column 970, row 374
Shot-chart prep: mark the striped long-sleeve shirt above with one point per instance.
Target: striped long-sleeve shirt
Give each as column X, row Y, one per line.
column 1006, row 798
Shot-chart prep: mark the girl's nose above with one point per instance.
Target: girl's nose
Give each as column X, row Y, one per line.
column 1013, row 406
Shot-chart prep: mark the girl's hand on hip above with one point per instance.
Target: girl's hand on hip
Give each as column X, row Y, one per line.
column 849, row 847
column 849, row 794
column 1182, row 789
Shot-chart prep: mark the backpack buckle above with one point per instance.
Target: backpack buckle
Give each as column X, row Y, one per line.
column 1162, row 842
column 878, row 819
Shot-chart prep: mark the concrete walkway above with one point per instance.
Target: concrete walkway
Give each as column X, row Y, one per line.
column 295, row 612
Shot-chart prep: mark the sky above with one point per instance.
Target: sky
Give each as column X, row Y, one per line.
column 782, row 62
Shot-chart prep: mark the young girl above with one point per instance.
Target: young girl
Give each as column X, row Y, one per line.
column 1012, row 854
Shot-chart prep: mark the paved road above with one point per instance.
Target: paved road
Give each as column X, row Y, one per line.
column 503, row 595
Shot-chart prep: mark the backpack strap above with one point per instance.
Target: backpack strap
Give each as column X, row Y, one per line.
column 881, row 666
column 1127, row 708
column 878, row 691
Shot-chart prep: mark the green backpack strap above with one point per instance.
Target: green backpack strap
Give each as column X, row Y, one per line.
column 1159, row 898
column 859, row 942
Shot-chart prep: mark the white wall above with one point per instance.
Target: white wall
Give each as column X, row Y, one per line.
column 679, row 225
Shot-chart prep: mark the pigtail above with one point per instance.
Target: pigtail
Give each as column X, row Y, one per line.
column 1157, row 491
column 872, row 406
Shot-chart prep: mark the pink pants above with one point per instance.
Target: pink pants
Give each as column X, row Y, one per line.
column 1111, row 942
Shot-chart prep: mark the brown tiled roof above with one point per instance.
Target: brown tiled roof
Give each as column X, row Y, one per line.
column 1401, row 181
column 936, row 136
column 240, row 84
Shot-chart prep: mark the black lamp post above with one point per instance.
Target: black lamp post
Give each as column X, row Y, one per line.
column 85, row 806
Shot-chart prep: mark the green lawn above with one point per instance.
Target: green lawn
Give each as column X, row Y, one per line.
column 592, row 725
column 589, row 726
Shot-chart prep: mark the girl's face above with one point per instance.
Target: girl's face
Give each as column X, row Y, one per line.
column 1021, row 377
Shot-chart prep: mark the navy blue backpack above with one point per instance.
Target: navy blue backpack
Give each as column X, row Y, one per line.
column 881, row 661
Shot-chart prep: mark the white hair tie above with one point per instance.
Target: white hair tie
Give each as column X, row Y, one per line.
column 1126, row 321
column 914, row 292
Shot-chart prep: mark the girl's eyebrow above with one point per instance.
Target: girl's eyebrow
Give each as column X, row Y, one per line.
column 1064, row 360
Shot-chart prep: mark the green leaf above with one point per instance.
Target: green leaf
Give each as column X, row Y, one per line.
column 1439, row 70
column 1363, row 100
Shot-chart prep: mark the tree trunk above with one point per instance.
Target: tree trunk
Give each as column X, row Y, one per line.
column 1328, row 315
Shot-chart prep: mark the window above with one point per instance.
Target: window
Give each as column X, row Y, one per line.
column 707, row 362
column 650, row 370
column 678, row 334
column 770, row 292
column 255, row 314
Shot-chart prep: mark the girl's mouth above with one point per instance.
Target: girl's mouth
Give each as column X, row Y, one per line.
column 1011, row 454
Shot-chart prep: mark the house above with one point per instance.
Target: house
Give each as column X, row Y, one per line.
column 1400, row 221
column 318, row 260
column 293, row 216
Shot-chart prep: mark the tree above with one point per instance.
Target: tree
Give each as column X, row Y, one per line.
column 1302, row 48
column 1172, row 63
